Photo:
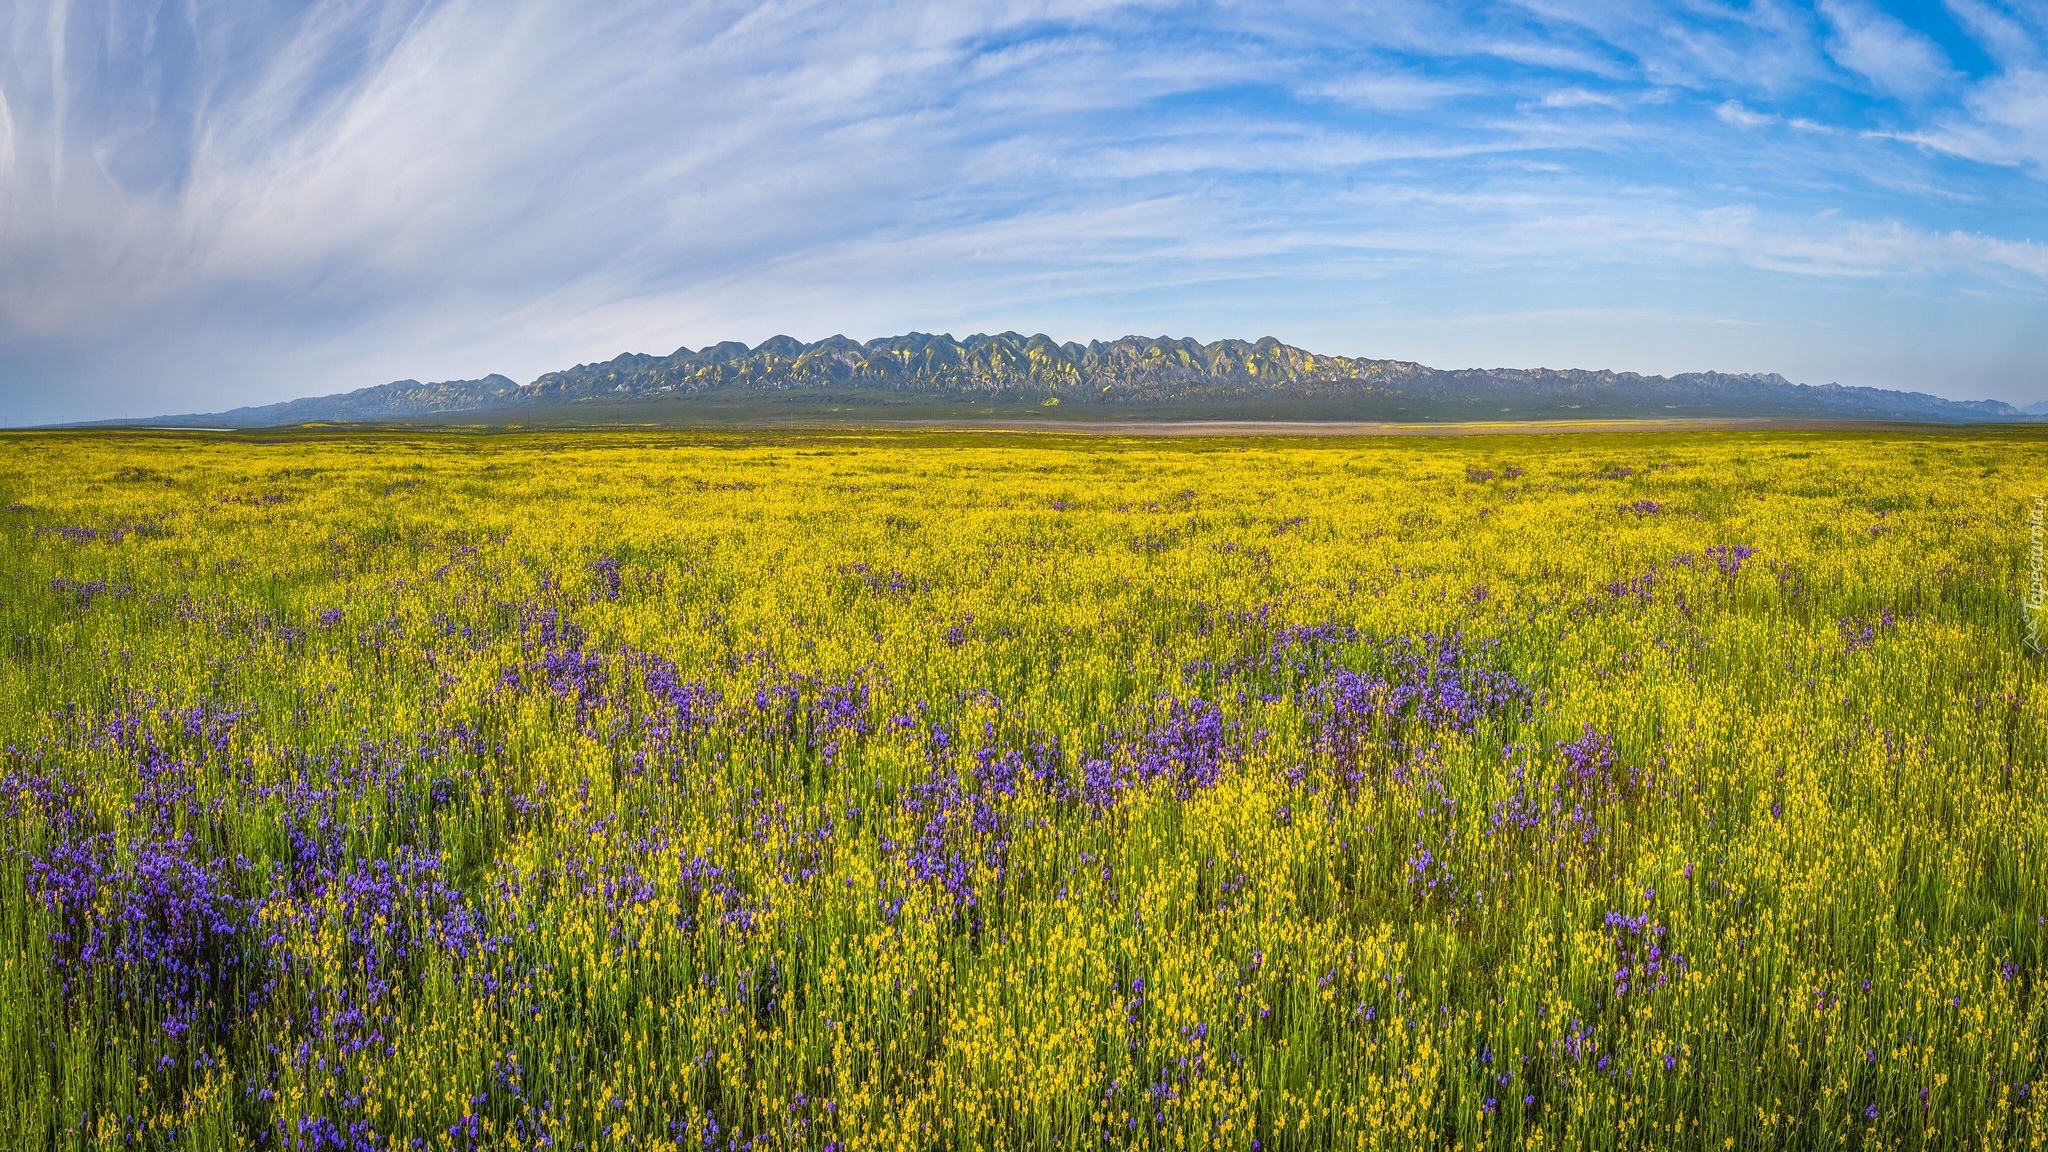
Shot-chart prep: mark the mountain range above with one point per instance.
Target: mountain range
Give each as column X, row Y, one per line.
column 924, row 376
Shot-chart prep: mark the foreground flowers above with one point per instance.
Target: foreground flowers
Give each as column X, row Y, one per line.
column 966, row 793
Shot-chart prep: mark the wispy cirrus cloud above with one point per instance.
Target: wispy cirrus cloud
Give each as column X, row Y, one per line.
column 205, row 206
column 1736, row 113
column 2003, row 120
column 1882, row 49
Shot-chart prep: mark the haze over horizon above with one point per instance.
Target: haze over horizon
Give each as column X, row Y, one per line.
column 202, row 208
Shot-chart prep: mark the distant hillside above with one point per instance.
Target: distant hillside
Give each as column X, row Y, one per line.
column 399, row 400
column 1135, row 377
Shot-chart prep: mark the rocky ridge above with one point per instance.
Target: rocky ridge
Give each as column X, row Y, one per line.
column 1131, row 376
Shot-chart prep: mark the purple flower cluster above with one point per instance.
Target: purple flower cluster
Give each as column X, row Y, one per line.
column 686, row 708
column 1592, row 773
column 957, row 830
column 1429, row 873
column 1003, row 770
column 1176, row 1077
column 1580, row 1043
column 557, row 659
column 576, row 675
column 958, row 633
column 150, row 918
column 811, row 710
column 1431, row 681
column 809, row 707
column 708, row 895
column 1859, row 634
column 1641, row 964
column 1290, row 654
column 150, row 529
column 605, row 572
column 1636, row 588
column 156, row 915
column 1187, row 748
column 81, row 593
column 1642, row 508
column 387, row 910
column 1729, row 558
column 963, row 825
column 893, row 584
column 1566, row 822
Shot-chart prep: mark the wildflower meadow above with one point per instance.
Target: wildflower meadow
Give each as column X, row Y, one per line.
column 848, row 791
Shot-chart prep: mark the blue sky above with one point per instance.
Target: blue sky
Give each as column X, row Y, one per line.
column 205, row 204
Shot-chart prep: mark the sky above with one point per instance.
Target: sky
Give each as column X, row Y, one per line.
column 205, row 204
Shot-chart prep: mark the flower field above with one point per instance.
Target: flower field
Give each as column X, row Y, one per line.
column 906, row 791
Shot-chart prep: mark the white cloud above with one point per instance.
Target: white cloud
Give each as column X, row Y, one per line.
column 1576, row 97
column 1827, row 246
column 2001, row 34
column 2011, row 118
column 1883, row 50
column 6, row 144
column 2004, row 121
column 1732, row 112
column 1390, row 90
